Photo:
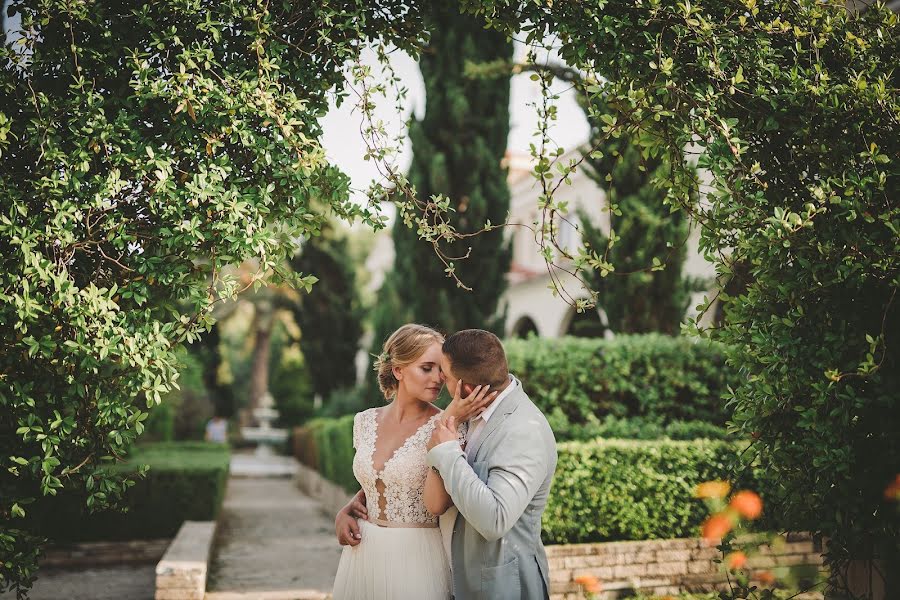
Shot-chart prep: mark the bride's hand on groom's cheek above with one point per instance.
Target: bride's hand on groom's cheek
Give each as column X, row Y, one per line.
column 476, row 401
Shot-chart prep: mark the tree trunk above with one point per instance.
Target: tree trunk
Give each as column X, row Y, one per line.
column 259, row 373
column 860, row 579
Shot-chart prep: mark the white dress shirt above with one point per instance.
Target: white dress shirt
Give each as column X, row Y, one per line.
column 477, row 424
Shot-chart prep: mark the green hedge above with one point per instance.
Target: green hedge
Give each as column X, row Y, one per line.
column 609, row 490
column 641, row 428
column 186, row 481
column 578, row 382
column 603, row 490
column 326, row 445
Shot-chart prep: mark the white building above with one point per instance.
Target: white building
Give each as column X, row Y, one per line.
column 530, row 303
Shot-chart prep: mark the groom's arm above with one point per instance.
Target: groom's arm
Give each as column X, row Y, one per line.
column 493, row 507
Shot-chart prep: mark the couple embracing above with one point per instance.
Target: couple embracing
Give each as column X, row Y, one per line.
column 451, row 501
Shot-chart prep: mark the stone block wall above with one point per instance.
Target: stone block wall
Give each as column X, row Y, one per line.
column 661, row 567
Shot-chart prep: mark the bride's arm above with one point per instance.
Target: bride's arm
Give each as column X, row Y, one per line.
column 437, row 500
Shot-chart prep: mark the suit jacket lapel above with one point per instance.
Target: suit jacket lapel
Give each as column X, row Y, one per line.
column 506, row 408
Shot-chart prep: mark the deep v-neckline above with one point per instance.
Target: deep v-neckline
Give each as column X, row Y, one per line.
column 379, row 472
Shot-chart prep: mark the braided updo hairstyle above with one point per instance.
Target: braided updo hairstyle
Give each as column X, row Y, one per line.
column 402, row 348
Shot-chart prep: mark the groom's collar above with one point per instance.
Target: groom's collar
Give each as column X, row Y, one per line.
column 492, row 408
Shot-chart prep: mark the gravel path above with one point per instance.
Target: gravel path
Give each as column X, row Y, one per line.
column 273, row 542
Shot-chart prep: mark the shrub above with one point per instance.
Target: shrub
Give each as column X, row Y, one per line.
column 186, row 481
column 326, row 445
column 603, row 490
column 303, row 443
column 345, row 401
column 581, row 381
column 633, row 490
column 640, row 428
column 160, row 425
column 290, row 386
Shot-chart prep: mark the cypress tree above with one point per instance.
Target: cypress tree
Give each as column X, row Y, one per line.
column 457, row 151
column 329, row 316
column 635, row 298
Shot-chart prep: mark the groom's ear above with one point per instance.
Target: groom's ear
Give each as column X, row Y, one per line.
column 467, row 388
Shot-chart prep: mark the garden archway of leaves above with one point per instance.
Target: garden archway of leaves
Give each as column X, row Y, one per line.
column 144, row 150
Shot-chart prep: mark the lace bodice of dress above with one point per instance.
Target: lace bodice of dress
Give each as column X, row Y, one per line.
column 403, row 475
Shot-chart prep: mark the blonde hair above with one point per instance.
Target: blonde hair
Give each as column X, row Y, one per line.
column 402, row 348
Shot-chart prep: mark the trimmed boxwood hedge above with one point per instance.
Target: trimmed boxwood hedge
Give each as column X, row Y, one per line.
column 604, row 490
column 186, row 481
column 642, row 428
column 326, row 445
column 609, row 490
column 578, row 382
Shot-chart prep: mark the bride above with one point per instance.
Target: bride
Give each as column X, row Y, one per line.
column 395, row 550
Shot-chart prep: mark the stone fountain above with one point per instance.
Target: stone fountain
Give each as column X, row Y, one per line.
column 265, row 436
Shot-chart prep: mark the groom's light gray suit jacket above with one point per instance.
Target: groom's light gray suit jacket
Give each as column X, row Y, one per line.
column 500, row 486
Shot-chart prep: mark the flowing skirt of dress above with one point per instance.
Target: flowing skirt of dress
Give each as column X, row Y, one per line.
column 394, row 563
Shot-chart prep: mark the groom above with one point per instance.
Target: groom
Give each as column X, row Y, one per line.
column 500, row 481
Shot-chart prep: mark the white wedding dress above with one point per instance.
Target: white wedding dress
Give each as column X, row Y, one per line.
column 401, row 554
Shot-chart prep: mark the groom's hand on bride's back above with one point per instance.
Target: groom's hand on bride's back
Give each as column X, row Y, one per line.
column 347, row 529
column 345, row 525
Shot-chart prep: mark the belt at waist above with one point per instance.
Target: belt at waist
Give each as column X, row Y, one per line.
column 383, row 523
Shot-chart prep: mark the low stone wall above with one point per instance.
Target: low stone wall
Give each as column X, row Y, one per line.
column 96, row 554
column 181, row 574
column 330, row 495
column 661, row 566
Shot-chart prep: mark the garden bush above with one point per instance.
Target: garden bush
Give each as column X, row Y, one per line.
column 609, row 490
column 639, row 428
column 326, row 445
column 346, row 401
column 604, row 490
column 579, row 381
column 185, row 481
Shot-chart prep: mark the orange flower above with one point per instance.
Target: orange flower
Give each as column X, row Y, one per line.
column 590, row 583
column 892, row 492
column 747, row 503
column 736, row 560
column 715, row 527
column 765, row 577
column 713, row 489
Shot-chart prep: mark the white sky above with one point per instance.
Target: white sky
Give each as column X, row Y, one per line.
column 344, row 145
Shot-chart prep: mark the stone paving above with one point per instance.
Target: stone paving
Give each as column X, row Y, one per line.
column 273, row 543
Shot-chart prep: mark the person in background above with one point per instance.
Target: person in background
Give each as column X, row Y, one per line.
column 216, row 430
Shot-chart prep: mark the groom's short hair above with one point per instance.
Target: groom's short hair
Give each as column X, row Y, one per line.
column 477, row 357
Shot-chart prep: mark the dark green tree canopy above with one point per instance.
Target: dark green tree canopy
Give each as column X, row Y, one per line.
column 638, row 296
column 458, row 147
column 329, row 316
